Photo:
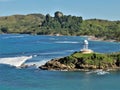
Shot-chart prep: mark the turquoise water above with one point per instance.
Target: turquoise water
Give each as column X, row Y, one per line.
column 44, row 48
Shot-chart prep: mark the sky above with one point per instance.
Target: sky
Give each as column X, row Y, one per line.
column 88, row 9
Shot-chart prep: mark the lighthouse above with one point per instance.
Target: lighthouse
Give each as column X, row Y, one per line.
column 85, row 44
column 85, row 47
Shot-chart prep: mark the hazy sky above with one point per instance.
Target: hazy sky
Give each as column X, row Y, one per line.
column 101, row 9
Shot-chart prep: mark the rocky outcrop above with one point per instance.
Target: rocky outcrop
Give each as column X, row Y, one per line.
column 57, row 65
column 79, row 61
column 53, row 65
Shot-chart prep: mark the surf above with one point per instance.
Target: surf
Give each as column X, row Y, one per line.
column 15, row 61
column 35, row 64
column 98, row 72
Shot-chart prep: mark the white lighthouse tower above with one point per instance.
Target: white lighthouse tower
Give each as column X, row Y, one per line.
column 85, row 44
column 85, row 47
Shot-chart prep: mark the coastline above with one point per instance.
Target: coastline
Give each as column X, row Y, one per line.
column 93, row 38
column 86, row 70
column 81, row 70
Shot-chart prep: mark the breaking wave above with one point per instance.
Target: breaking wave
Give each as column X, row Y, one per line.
column 15, row 61
column 37, row 64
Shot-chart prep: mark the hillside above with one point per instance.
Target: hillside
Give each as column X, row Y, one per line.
column 60, row 24
column 21, row 23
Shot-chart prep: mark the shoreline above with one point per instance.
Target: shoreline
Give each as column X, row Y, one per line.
column 91, row 38
column 85, row 70
column 82, row 70
column 70, row 70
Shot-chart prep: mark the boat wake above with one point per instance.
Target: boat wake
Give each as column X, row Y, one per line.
column 15, row 61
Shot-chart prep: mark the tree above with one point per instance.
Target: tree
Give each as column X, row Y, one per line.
column 4, row 29
column 48, row 17
column 58, row 14
column 118, row 60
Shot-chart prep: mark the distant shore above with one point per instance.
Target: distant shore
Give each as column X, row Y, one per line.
column 93, row 38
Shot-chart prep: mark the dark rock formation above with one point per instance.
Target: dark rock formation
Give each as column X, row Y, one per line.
column 53, row 65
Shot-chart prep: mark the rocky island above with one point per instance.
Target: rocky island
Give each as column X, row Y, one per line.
column 85, row 59
column 81, row 61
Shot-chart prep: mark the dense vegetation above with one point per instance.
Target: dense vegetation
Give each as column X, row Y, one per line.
column 92, row 60
column 59, row 24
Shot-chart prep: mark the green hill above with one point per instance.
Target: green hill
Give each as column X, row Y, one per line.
column 59, row 24
column 21, row 23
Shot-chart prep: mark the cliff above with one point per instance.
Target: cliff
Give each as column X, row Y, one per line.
column 80, row 61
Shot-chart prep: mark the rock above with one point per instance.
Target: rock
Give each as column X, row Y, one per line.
column 53, row 65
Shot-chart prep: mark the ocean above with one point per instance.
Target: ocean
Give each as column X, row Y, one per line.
column 16, row 49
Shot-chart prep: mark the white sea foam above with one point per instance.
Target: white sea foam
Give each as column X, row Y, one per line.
column 50, row 53
column 13, row 37
column 34, row 55
column 37, row 64
column 52, row 38
column 15, row 61
column 66, row 42
column 102, row 73
column 98, row 72
column 70, row 50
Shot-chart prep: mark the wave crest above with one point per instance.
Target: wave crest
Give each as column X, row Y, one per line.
column 15, row 61
column 36, row 64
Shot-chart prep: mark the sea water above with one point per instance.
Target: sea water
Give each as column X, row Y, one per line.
column 16, row 49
